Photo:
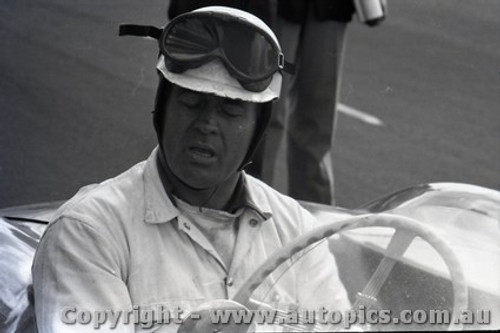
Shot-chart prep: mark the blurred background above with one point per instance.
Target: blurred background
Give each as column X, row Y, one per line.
column 420, row 97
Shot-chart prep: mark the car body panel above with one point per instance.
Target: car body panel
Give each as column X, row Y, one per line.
column 467, row 217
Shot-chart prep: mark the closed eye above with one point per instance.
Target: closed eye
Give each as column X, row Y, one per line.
column 192, row 99
column 232, row 109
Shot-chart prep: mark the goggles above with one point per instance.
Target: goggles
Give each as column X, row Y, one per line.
column 249, row 53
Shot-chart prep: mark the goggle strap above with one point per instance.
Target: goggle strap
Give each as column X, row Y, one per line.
column 140, row 31
column 289, row 67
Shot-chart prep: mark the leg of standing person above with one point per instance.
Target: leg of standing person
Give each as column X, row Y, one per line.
column 265, row 162
column 312, row 120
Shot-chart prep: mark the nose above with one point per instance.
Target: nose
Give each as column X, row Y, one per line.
column 207, row 121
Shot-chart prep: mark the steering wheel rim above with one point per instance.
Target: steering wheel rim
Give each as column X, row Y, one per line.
column 397, row 222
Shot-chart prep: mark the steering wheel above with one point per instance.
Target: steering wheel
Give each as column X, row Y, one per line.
column 406, row 230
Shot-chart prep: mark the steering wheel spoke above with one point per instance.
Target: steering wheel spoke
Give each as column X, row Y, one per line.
column 406, row 230
column 399, row 243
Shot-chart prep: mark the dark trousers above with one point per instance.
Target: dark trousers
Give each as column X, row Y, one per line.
column 303, row 123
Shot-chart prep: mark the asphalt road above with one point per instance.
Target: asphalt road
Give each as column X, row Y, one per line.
column 75, row 99
column 431, row 73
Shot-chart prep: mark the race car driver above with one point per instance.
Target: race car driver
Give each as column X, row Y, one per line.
column 187, row 225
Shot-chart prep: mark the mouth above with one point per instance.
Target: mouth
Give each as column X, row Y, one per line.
column 202, row 151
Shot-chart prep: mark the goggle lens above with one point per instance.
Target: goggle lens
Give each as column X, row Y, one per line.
column 249, row 52
column 189, row 41
column 249, row 56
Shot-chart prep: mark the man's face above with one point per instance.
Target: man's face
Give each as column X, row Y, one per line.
column 206, row 137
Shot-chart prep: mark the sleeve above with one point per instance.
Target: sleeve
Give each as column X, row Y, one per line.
column 335, row 10
column 78, row 282
column 319, row 284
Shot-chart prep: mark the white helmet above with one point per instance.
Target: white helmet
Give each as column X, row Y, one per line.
column 222, row 51
column 215, row 73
